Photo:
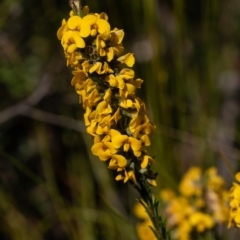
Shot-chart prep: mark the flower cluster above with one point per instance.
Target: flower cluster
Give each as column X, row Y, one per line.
column 106, row 86
column 234, row 194
column 201, row 204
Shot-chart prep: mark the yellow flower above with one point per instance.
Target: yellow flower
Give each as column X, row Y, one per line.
column 114, row 46
column 100, row 68
column 81, row 25
column 126, row 175
column 105, row 151
column 99, row 26
column 126, row 142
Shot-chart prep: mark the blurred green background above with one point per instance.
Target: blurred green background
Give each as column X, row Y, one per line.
column 51, row 186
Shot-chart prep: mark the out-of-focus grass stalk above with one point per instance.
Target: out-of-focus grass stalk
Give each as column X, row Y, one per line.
column 15, row 223
column 51, row 185
column 82, row 190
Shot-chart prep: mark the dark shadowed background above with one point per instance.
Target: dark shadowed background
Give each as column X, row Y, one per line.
column 51, row 186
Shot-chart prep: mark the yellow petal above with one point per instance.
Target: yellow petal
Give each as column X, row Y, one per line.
column 71, row 48
column 122, row 161
column 126, row 103
column 135, row 143
column 89, row 19
column 119, row 177
column 96, row 67
column 145, row 140
column 78, row 78
column 119, row 140
column 96, row 148
column 86, row 116
column 116, row 116
column 130, row 88
column 62, row 29
column 78, row 40
column 144, row 162
column 114, row 133
column 120, row 35
column 74, row 22
column 110, row 54
column 103, row 26
column 113, row 164
column 128, row 59
column 85, row 30
column 111, row 147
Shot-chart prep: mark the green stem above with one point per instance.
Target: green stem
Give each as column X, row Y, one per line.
column 151, row 207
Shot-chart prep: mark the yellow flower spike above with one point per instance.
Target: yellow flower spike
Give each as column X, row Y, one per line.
column 128, row 59
column 121, row 160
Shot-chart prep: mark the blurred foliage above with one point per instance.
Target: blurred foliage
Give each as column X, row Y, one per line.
column 51, row 187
